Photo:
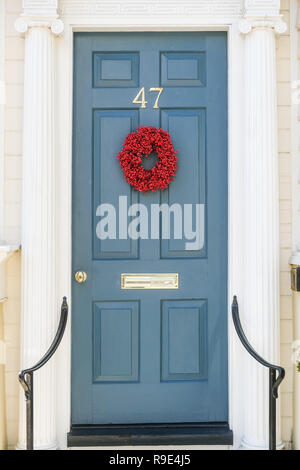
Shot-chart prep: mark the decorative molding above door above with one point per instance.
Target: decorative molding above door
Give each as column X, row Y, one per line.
column 148, row 8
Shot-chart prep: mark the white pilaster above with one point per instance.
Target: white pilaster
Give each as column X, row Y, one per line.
column 39, row 303
column 260, row 313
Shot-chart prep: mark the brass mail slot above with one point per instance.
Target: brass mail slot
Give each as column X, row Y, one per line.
column 149, row 281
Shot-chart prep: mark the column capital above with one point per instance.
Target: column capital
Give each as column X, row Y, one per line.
column 23, row 23
column 276, row 24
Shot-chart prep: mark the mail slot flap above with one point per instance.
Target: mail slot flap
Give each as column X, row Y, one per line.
column 149, row 281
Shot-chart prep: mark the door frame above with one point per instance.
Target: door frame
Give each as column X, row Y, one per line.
column 64, row 118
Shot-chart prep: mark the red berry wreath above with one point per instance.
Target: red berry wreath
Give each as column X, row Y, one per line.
column 141, row 143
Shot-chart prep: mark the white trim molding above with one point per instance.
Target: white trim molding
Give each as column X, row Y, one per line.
column 161, row 9
column 40, row 8
column 262, row 8
column 252, row 185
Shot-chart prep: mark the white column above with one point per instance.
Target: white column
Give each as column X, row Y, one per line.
column 260, row 313
column 39, row 303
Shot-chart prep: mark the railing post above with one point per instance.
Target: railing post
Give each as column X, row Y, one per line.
column 273, row 369
column 26, row 376
column 29, row 412
column 272, row 410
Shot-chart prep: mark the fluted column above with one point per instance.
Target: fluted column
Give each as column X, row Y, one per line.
column 261, row 262
column 39, row 312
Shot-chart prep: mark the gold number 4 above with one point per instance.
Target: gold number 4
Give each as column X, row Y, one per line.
column 141, row 94
column 143, row 101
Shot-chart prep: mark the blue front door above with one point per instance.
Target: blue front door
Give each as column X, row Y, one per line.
column 150, row 355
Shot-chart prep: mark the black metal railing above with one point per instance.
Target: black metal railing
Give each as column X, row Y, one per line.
column 274, row 379
column 26, row 376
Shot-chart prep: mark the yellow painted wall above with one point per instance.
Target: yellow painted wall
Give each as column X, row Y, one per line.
column 14, row 65
column 3, row 435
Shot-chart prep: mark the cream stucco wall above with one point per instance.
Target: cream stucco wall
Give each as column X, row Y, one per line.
column 14, row 58
column 14, row 62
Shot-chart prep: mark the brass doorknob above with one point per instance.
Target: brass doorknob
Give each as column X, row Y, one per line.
column 80, row 277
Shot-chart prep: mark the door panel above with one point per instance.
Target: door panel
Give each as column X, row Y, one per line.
column 184, row 335
column 116, row 341
column 149, row 356
column 188, row 125
column 110, row 126
column 183, row 69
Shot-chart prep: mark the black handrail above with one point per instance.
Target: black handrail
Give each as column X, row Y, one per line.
column 26, row 376
column 274, row 381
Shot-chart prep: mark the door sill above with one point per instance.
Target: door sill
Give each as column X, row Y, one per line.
column 161, row 434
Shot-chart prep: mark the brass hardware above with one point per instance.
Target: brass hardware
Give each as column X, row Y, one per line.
column 80, row 277
column 295, row 278
column 159, row 93
column 142, row 101
column 149, row 281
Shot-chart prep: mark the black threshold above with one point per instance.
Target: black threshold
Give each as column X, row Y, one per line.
column 150, row 434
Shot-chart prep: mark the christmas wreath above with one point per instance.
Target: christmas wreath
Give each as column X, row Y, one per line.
column 141, row 143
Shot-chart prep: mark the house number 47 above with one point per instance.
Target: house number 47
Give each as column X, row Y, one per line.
column 141, row 97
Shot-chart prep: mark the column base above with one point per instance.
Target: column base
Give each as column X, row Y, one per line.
column 45, row 447
column 247, row 446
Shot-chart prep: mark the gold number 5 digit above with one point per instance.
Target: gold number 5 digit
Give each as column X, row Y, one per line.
column 159, row 93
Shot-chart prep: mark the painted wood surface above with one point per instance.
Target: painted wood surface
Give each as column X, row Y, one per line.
column 150, row 356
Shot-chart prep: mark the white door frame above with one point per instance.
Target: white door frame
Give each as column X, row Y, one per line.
column 64, row 207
